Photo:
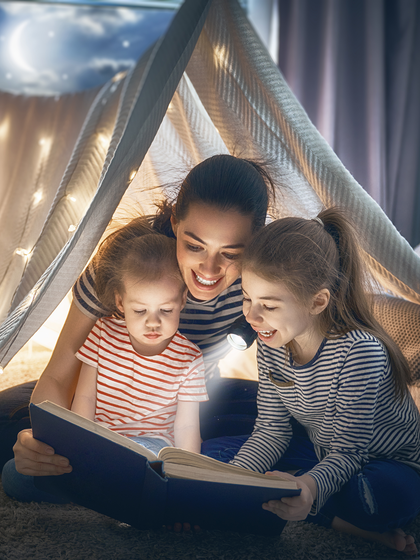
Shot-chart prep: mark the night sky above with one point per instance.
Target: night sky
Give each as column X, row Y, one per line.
column 50, row 49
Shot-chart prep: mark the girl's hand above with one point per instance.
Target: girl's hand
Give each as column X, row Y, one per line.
column 294, row 508
column 34, row 458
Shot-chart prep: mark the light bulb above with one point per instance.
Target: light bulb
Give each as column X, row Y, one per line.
column 37, row 197
column 22, row 252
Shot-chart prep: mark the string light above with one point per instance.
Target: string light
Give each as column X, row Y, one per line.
column 37, row 197
column 220, row 54
column 118, row 77
column 72, row 228
column 22, row 252
column 103, row 139
column 132, row 175
column 4, row 128
column 1, row 370
column 72, row 198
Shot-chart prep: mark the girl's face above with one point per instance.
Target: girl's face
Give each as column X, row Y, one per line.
column 210, row 243
column 279, row 318
column 151, row 310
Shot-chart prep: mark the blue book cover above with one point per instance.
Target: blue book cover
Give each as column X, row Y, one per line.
column 112, row 475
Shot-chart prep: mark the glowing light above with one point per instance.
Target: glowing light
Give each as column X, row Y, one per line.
column 45, row 143
column 220, row 54
column 132, row 175
column 126, row 44
column 4, row 128
column 72, row 198
column 104, row 140
column 9, row 76
column 37, row 197
column 51, row 34
column 1, row 370
column 119, row 76
column 22, row 252
column 72, row 228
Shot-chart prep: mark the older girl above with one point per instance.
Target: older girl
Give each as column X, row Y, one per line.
column 325, row 362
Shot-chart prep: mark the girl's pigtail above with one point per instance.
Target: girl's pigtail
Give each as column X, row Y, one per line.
column 352, row 308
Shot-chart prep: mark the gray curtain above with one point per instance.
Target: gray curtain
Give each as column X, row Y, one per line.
column 355, row 67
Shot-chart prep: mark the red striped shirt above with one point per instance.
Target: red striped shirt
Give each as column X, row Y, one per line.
column 138, row 395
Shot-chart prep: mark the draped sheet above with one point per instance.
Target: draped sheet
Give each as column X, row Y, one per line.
column 209, row 86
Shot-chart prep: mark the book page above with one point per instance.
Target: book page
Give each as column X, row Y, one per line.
column 188, row 458
column 174, row 470
column 87, row 424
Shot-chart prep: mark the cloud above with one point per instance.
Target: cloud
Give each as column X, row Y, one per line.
column 109, row 65
column 83, row 19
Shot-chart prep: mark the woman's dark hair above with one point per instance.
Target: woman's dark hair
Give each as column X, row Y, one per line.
column 310, row 255
column 226, row 182
column 134, row 250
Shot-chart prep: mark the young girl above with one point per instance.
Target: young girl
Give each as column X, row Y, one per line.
column 325, row 362
column 139, row 375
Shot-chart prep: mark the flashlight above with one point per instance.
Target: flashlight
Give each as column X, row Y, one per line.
column 241, row 335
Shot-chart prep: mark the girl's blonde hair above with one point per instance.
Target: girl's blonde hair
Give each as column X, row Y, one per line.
column 135, row 250
column 310, row 255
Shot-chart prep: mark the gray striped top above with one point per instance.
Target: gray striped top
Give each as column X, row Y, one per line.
column 344, row 397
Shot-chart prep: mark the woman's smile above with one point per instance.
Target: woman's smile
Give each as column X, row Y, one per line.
column 210, row 242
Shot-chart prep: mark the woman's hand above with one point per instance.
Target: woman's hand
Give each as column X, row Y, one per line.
column 294, row 508
column 34, row 458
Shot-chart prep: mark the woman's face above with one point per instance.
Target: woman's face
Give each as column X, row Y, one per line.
column 210, row 243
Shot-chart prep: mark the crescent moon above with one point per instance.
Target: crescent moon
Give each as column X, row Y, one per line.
column 14, row 47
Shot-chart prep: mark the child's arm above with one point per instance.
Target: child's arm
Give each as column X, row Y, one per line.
column 84, row 402
column 295, row 508
column 187, row 426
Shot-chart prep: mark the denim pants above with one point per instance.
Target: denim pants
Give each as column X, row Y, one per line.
column 14, row 417
column 22, row 487
column 383, row 496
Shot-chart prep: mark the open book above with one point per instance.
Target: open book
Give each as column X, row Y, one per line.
column 116, row 476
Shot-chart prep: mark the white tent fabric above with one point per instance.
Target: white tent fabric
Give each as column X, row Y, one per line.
column 209, row 86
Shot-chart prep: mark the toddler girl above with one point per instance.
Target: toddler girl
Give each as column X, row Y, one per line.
column 140, row 376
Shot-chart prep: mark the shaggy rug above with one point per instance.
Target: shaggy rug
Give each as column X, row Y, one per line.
column 30, row 531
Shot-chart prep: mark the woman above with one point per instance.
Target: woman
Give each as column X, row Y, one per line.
column 221, row 203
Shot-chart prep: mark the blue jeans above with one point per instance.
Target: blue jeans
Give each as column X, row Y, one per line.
column 22, row 487
column 383, row 496
column 14, row 417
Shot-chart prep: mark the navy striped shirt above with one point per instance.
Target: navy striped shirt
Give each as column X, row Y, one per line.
column 203, row 322
column 345, row 399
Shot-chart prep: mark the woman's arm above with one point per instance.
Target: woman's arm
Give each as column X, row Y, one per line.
column 84, row 402
column 187, row 426
column 56, row 384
